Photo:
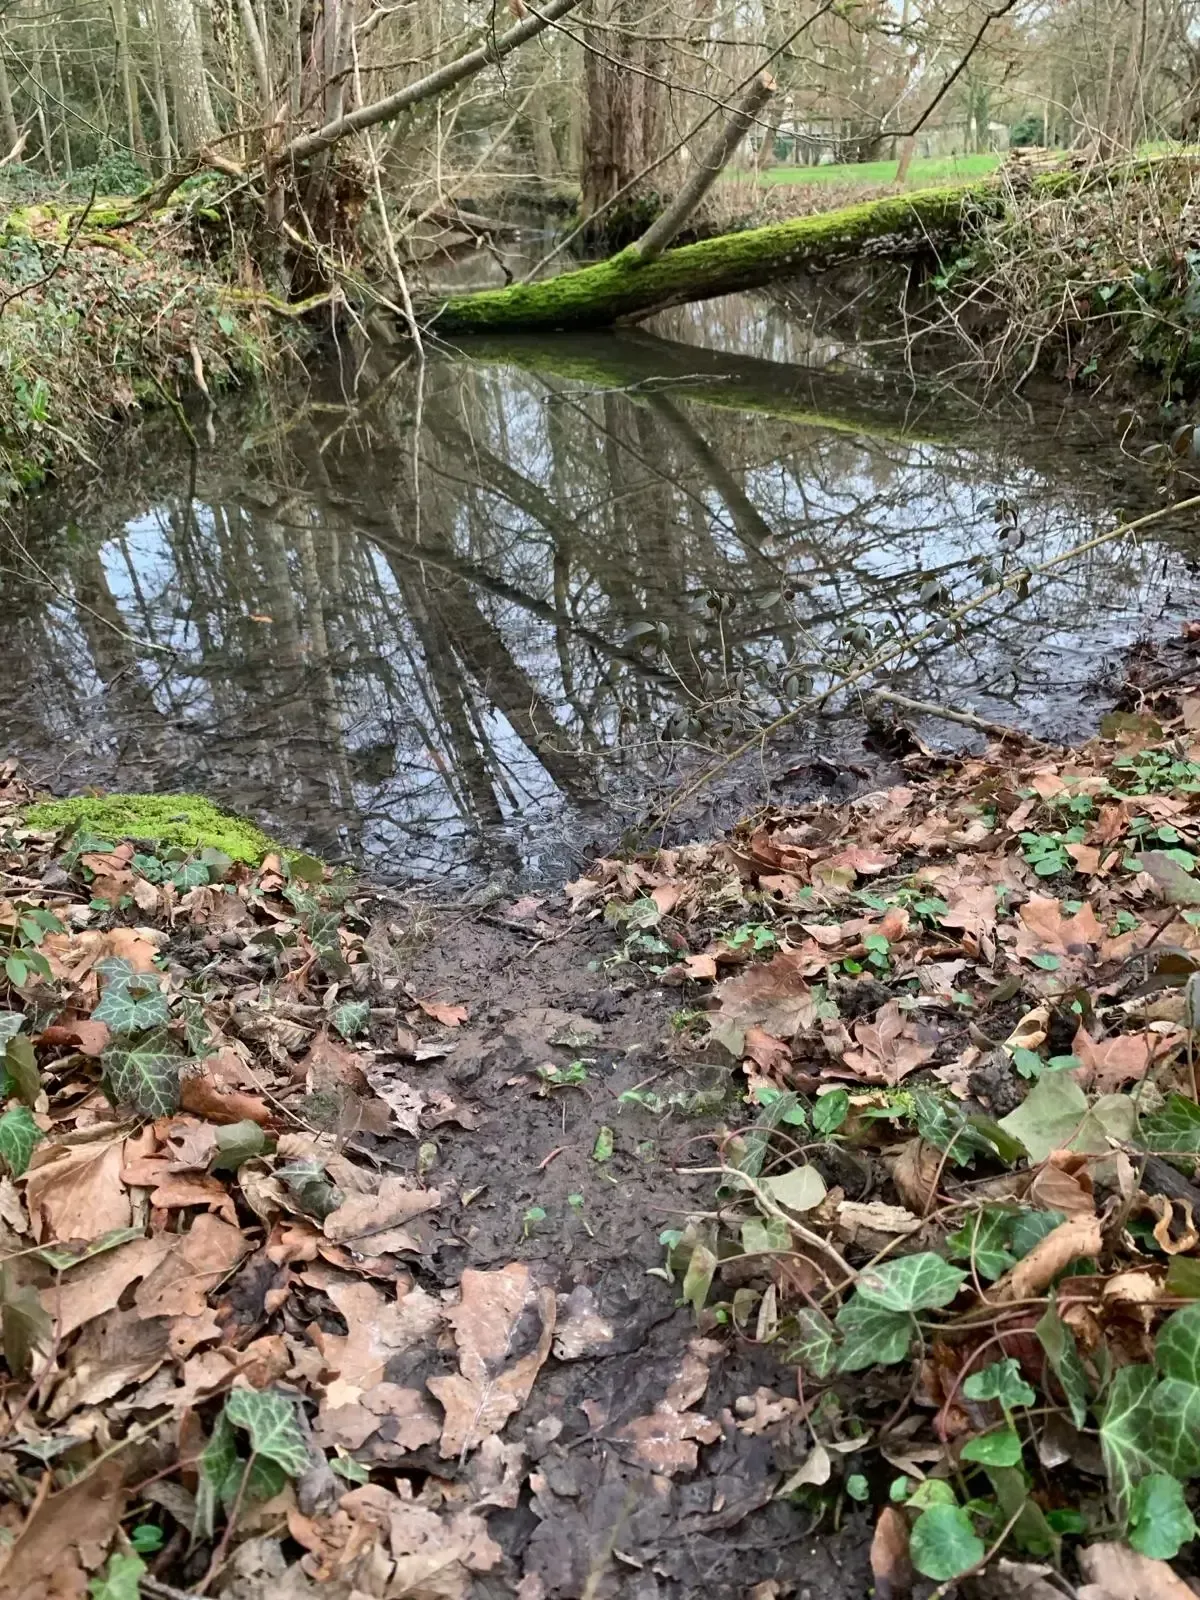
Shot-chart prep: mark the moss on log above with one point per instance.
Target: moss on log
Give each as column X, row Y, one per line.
column 624, row 286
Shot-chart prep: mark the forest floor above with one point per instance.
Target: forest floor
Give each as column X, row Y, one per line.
column 763, row 1217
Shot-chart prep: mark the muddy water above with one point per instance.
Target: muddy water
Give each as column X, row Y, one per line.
column 462, row 622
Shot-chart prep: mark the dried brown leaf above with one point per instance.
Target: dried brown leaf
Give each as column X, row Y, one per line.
column 1071, row 1241
column 373, row 1224
column 64, row 1536
column 75, row 1191
column 890, row 1564
column 503, row 1327
column 1115, row 1572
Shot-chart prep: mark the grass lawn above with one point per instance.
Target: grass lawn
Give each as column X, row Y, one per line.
column 933, row 169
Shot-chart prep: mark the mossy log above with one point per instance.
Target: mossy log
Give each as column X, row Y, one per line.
column 625, row 286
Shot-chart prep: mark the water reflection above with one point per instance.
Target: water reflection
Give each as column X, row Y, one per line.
column 447, row 620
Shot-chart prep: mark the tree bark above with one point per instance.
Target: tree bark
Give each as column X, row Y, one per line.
column 627, row 286
column 8, row 120
column 435, row 83
column 706, row 171
column 625, row 122
column 195, row 122
column 133, row 120
column 258, row 56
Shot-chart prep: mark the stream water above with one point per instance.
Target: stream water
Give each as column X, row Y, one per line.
column 463, row 621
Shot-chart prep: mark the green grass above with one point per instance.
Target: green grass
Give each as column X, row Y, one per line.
column 932, row 169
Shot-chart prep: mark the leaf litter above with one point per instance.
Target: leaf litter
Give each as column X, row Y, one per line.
column 310, row 1281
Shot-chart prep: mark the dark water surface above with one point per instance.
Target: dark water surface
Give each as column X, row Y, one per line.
column 466, row 621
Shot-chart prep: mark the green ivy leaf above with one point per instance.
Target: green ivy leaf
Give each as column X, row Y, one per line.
column 1177, row 1348
column 144, row 1075
column 309, row 1187
column 946, row 1126
column 943, row 1544
column 1048, row 1116
column 237, row 1142
column 1000, row 1448
column 830, row 1111
column 1175, row 1427
column 1175, row 1126
column 132, row 1008
column 220, row 1474
column 983, row 1239
column 1125, row 1437
column 871, row 1336
column 931, row 1492
column 814, row 1345
column 1031, row 1227
column 21, row 1066
column 697, row 1280
column 1160, row 1522
column 351, row 1017
column 270, row 1419
column 62, row 1257
column 858, row 1488
column 913, row 1283
column 196, row 1030
column 1001, row 1381
column 25, row 1325
column 19, row 1137
column 121, row 1580
column 762, row 1235
column 1057, row 1340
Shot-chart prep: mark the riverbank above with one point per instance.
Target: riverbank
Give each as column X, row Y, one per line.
column 583, row 1282
column 101, row 318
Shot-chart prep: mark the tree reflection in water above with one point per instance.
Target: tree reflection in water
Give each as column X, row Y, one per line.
column 452, row 649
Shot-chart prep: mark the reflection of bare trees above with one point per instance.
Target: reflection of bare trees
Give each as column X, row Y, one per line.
column 593, row 561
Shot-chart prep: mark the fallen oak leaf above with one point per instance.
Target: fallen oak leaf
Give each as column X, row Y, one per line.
column 889, row 1048
column 1109, row 1064
column 449, row 1016
column 373, row 1224
column 497, row 1313
column 64, row 1536
column 1115, row 1572
column 75, row 1191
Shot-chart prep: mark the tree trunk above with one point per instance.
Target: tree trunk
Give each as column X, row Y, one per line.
column 195, row 122
column 625, row 286
column 907, row 147
column 161, row 107
column 8, row 120
column 133, row 120
column 625, row 112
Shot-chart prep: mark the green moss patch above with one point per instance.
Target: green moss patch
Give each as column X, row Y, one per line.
column 188, row 820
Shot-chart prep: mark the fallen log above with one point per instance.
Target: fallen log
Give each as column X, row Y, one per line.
column 626, row 286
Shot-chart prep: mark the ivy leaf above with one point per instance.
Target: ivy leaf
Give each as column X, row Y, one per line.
column 309, row 1187
column 11, row 1023
column 814, row 1345
column 270, row 1419
column 19, row 1137
column 830, row 1111
column 943, row 1544
column 62, row 1257
column 219, row 1476
column 1177, row 1348
column 697, row 1280
column 1125, row 1434
column 1049, row 1115
column 121, row 1580
column 25, row 1325
column 914, row 1283
column 1175, row 1126
column 351, row 1017
column 1159, row 1519
column 762, row 1235
column 1031, row 1227
column 144, row 1075
column 237, row 1142
column 1175, row 1427
column 196, row 1030
column 946, row 1127
column 133, row 1009
column 20, row 1064
column 1057, row 1340
column 871, row 1336
column 1000, row 1448
column 983, row 1240
column 1001, row 1381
